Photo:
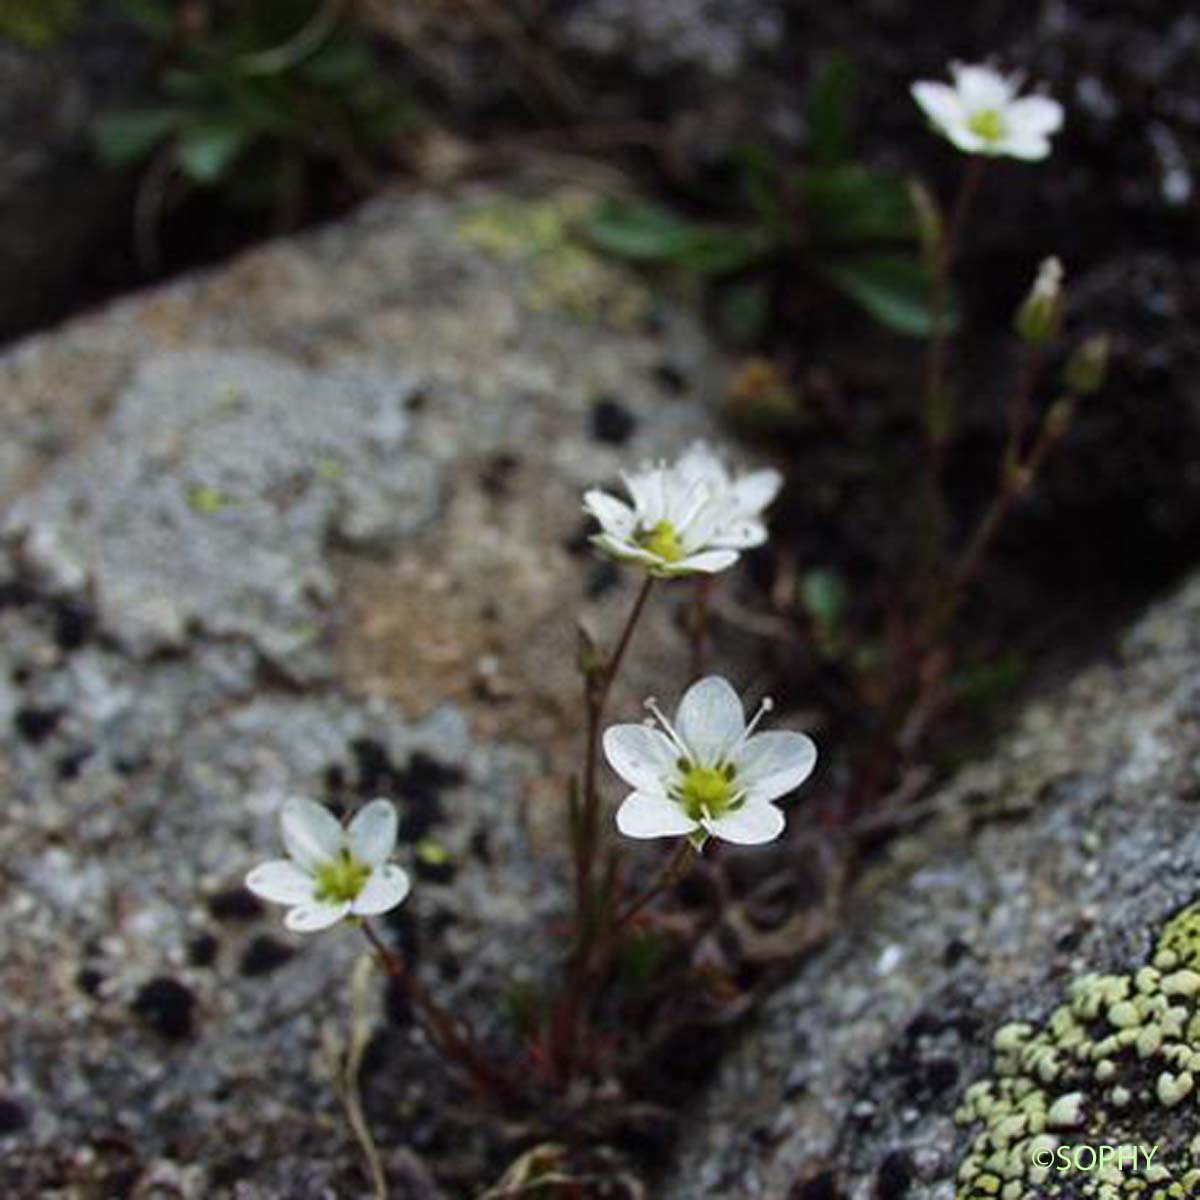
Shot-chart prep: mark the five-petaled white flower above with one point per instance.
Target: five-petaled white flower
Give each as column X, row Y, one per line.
column 691, row 517
column 982, row 113
column 331, row 872
column 709, row 772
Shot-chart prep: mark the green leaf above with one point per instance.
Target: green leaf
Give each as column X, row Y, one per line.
column 893, row 288
column 830, row 111
column 824, row 596
column 642, row 232
column 651, row 234
column 341, row 62
column 850, row 205
column 714, row 251
column 127, row 136
column 208, row 148
column 761, row 181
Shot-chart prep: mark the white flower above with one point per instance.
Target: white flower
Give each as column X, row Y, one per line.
column 982, row 114
column 708, row 773
column 742, row 499
column 331, row 872
column 689, row 518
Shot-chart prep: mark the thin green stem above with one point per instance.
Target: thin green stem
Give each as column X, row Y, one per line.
column 668, row 875
column 937, row 428
column 597, row 687
column 1018, row 408
column 1017, row 483
column 453, row 1038
column 703, row 591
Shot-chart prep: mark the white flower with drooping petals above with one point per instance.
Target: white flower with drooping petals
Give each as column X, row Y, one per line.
column 692, row 517
column 743, row 498
column 708, row 773
column 331, row 872
column 982, row 113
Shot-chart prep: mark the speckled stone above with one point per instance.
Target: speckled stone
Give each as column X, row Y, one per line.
column 308, row 522
column 1062, row 855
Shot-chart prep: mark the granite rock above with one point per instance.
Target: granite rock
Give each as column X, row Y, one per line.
column 310, row 522
column 1060, row 856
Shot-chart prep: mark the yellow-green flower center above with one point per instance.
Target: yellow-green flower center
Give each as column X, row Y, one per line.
column 341, row 880
column 706, row 792
column 662, row 540
column 987, row 123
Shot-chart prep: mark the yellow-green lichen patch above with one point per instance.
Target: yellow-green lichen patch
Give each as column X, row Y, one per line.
column 1179, row 944
column 1115, row 1065
column 562, row 273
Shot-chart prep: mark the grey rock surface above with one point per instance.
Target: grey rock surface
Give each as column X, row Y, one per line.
column 720, row 39
column 220, row 481
column 1060, row 856
column 307, row 523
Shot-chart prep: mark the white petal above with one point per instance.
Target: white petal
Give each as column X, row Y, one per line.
column 647, row 489
column 642, row 816
column 981, row 87
column 710, row 719
column 624, row 551
column 645, row 758
column 1028, row 149
column 772, row 764
column 755, row 491
column 615, row 517
column 701, row 516
column 372, row 833
column 970, row 142
column 311, row 833
column 708, row 562
column 742, row 535
column 701, row 464
column 281, row 882
column 316, row 914
column 940, row 103
column 386, row 888
column 750, row 825
column 1033, row 117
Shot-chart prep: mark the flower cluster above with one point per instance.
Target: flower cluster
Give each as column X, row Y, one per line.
column 983, row 114
column 687, row 518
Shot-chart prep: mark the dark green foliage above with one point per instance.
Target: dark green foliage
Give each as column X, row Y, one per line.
column 893, row 288
column 266, row 84
column 849, row 224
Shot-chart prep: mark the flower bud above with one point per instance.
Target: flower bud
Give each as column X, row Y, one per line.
column 1087, row 367
column 1039, row 318
column 1059, row 417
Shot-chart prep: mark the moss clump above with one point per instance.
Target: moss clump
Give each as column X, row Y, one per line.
column 1106, row 1068
column 563, row 274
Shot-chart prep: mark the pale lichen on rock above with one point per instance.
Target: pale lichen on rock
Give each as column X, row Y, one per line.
column 1103, row 1070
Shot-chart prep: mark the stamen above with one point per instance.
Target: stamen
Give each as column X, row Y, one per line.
column 668, row 728
column 765, row 706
